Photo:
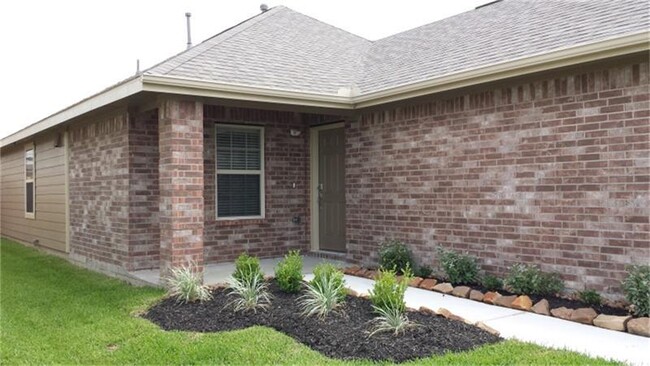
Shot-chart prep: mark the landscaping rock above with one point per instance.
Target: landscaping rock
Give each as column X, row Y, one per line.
column 490, row 297
column 352, row 270
column 415, row 281
column 371, row 274
column 361, row 272
column 445, row 288
column 562, row 313
column 428, row 284
column 476, row 295
column 522, row 303
column 351, row 292
column 542, row 307
column 426, row 310
column 449, row 315
column 612, row 322
column 461, row 291
column 639, row 326
column 487, row 328
column 584, row 315
column 505, row 300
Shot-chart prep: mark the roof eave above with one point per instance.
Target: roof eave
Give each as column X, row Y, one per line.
column 194, row 87
column 627, row 44
column 619, row 46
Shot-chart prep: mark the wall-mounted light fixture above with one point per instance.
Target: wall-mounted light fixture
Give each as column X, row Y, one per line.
column 295, row 133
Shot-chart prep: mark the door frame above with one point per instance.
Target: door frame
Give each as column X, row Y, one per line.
column 313, row 179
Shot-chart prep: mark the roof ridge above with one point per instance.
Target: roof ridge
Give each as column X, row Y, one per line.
column 329, row 25
column 237, row 28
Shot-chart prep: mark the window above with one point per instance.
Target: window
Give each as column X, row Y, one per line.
column 240, row 172
column 29, row 181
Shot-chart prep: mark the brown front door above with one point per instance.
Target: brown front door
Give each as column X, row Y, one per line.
column 331, row 190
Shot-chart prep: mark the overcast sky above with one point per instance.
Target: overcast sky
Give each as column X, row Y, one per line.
column 55, row 53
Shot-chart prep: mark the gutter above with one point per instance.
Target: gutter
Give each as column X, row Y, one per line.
column 623, row 45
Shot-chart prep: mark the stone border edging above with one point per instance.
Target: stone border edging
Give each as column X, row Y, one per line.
column 638, row 326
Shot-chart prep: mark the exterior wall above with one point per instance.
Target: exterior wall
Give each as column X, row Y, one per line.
column 286, row 162
column 99, row 192
column 180, row 183
column 553, row 171
column 48, row 228
column 144, row 192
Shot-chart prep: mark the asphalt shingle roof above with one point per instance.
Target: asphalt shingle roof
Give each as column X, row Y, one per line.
column 286, row 50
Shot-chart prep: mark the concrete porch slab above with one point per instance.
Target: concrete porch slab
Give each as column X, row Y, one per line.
column 220, row 272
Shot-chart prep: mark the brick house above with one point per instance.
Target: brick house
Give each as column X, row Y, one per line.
column 518, row 132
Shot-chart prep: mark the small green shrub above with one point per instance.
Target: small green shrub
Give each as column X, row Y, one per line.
column 423, row 271
column 251, row 293
column 247, row 267
column 590, row 297
column 390, row 320
column 325, row 293
column 388, row 292
column 637, row 289
column 288, row 272
column 492, row 283
column 459, row 268
column 395, row 255
column 185, row 284
column 387, row 297
column 530, row 280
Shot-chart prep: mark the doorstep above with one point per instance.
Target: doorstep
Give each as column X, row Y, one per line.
column 529, row 327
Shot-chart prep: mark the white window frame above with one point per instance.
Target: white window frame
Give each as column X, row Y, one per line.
column 32, row 180
column 259, row 172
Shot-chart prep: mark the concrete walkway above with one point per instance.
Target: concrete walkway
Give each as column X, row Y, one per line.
column 529, row 327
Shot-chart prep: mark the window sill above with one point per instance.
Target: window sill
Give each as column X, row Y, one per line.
column 239, row 221
column 30, row 216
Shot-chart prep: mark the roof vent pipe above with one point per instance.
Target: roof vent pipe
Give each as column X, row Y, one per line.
column 264, row 8
column 189, row 33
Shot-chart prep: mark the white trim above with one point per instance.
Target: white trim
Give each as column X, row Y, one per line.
column 66, row 168
column 573, row 55
column 196, row 87
column 260, row 172
column 30, row 147
column 313, row 179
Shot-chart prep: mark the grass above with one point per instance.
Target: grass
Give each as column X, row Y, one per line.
column 52, row 312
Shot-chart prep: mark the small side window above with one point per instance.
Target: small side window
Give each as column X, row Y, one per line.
column 30, row 173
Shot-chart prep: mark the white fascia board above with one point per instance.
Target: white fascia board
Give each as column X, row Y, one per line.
column 623, row 45
column 628, row 44
column 186, row 86
column 99, row 100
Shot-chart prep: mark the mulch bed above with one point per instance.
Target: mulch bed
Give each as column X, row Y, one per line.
column 343, row 335
column 556, row 302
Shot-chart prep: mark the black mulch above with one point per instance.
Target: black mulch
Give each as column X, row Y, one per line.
column 342, row 335
column 556, row 302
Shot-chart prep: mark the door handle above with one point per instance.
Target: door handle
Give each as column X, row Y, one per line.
column 320, row 194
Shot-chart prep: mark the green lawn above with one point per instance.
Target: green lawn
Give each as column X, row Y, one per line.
column 52, row 312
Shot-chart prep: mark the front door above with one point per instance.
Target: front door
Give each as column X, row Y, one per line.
column 331, row 190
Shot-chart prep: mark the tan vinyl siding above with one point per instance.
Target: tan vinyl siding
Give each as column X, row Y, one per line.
column 49, row 224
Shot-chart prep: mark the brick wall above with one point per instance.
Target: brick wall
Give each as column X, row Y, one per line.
column 144, row 193
column 286, row 162
column 552, row 171
column 180, row 177
column 99, row 192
